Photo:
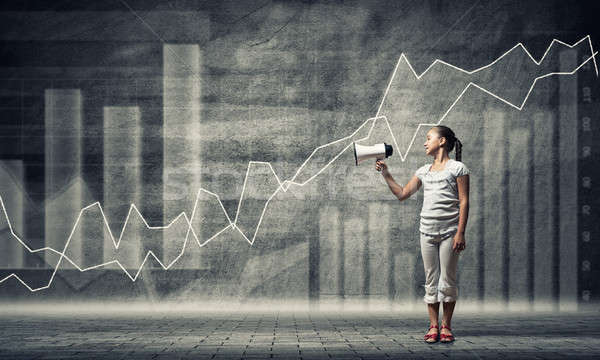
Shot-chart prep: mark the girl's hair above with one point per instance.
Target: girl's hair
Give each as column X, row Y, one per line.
column 451, row 140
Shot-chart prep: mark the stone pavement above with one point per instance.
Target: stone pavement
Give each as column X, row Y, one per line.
column 300, row 335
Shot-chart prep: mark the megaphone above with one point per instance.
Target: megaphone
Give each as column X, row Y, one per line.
column 378, row 151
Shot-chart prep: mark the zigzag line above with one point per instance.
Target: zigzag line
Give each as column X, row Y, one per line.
column 282, row 185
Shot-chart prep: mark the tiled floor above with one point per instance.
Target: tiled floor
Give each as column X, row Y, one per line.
column 296, row 335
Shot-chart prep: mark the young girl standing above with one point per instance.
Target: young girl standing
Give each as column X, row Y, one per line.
column 443, row 222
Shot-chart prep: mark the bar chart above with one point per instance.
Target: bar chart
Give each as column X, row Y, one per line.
column 523, row 228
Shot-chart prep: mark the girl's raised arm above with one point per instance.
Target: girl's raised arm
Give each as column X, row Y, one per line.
column 402, row 193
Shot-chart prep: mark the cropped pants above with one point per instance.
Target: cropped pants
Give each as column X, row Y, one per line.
column 440, row 263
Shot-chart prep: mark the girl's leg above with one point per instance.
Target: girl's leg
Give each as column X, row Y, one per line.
column 434, row 311
column 447, row 283
column 448, row 268
column 447, row 316
column 429, row 252
column 431, row 264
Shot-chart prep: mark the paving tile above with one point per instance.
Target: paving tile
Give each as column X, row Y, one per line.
column 295, row 336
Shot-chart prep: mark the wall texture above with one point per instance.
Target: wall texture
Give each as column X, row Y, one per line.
column 201, row 151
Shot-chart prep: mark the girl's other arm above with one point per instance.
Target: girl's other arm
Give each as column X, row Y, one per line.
column 463, row 199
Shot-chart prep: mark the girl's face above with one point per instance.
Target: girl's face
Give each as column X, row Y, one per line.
column 432, row 143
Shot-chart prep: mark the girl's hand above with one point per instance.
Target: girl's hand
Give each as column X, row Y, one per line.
column 381, row 166
column 459, row 242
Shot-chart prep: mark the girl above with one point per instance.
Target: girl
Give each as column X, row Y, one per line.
column 443, row 222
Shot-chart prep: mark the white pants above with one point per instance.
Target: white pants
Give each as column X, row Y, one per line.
column 440, row 263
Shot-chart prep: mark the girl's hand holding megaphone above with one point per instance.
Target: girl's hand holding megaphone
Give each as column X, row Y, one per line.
column 381, row 166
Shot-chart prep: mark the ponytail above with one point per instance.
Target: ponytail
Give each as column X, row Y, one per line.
column 458, row 150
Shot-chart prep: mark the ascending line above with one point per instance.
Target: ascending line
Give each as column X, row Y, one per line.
column 282, row 185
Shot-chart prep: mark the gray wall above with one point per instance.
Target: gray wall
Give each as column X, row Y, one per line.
column 242, row 115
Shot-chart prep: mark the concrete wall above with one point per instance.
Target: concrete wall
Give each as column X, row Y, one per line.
column 230, row 126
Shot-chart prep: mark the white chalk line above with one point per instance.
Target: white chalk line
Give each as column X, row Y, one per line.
column 282, row 185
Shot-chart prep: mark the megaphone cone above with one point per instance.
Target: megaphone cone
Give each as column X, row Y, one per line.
column 378, row 151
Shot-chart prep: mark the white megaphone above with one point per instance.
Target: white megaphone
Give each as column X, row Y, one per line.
column 378, row 151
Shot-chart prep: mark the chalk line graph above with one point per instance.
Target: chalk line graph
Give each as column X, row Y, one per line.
column 282, row 185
